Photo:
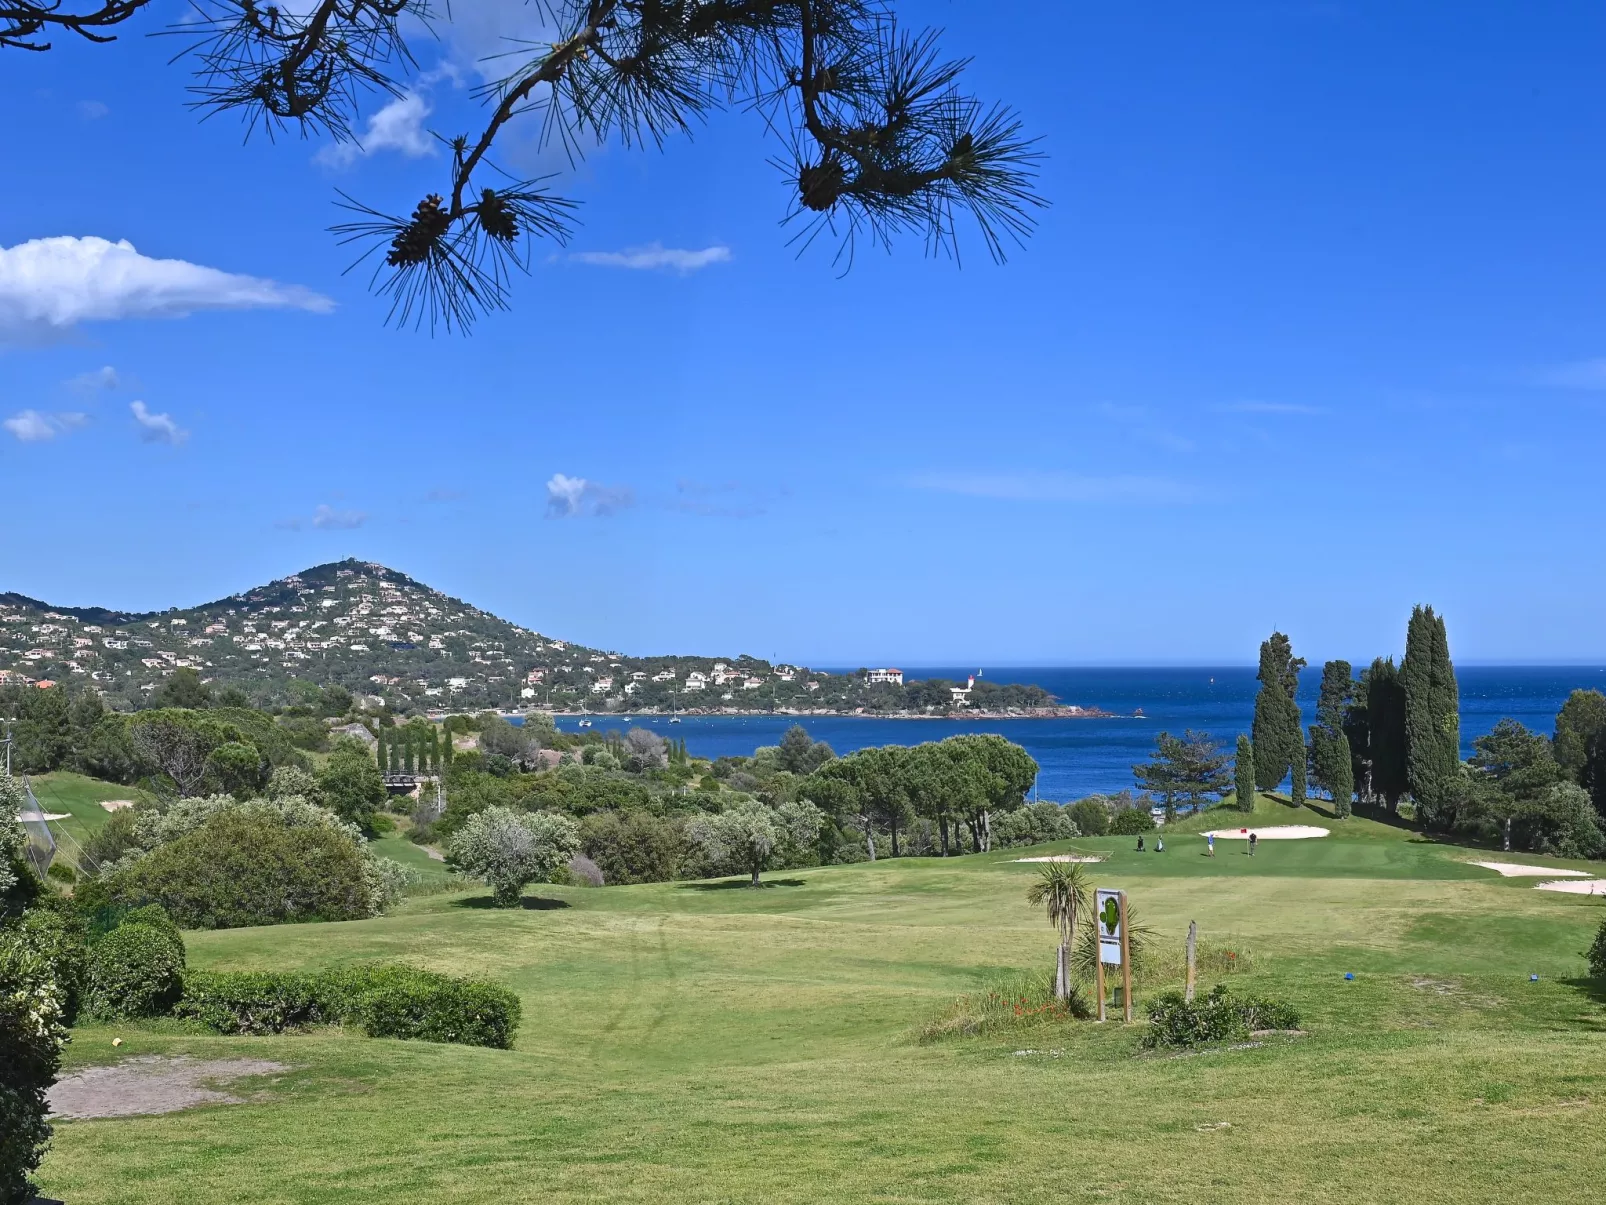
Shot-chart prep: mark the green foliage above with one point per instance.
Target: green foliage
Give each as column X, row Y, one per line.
column 1596, row 954
column 1276, row 733
column 1296, row 794
column 752, row 836
column 1188, row 769
column 43, row 734
column 1033, row 825
column 509, row 850
column 1128, row 822
column 1091, row 815
column 385, row 1001
column 1387, row 742
column 350, row 784
column 634, row 846
column 1331, row 759
column 136, row 970
column 32, row 1033
column 801, row 754
column 57, row 935
column 237, row 768
column 1218, row 1016
column 248, row 867
column 1580, row 731
column 184, row 689
column 1432, row 718
column 1243, row 771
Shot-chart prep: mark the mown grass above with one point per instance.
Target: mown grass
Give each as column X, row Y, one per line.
column 693, row 1042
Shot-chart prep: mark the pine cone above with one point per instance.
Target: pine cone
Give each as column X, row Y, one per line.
column 416, row 240
column 497, row 218
column 821, row 184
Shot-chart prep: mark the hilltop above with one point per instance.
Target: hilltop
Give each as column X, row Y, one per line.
column 378, row 632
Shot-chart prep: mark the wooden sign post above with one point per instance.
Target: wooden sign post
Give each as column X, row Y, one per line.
column 1193, row 941
column 1126, row 967
column 1109, row 918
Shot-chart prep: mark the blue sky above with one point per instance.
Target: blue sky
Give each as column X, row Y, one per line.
column 1312, row 331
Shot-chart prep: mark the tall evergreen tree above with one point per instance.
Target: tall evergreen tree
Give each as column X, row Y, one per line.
column 1385, row 709
column 380, row 756
column 1331, row 761
column 1432, row 716
column 1297, row 794
column 1244, row 774
column 408, row 744
column 447, row 750
column 1579, row 726
column 1275, row 733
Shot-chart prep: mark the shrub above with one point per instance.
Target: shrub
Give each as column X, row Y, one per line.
column 1129, row 821
column 1597, row 953
column 254, row 1002
column 57, row 936
column 246, row 867
column 385, row 1001
column 136, row 970
column 1090, row 815
column 1215, row 1017
column 636, row 847
column 1034, row 824
column 509, row 850
column 438, row 1008
column 32, row 1034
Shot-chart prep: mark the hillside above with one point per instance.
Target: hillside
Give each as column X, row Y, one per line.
column 378, row 632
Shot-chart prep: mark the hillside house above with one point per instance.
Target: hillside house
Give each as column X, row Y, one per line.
column 894, row 676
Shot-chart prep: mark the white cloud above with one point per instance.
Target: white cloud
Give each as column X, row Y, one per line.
column 572, row 497
column 327, row 518
column 654, row 256
column 1056, row 487
column 157, row 428
column 1584, row 374
column 1268, row 408
column 92, row 110
column 399, row 126
column 30, row 426
column 100, row 378
column 52, row 284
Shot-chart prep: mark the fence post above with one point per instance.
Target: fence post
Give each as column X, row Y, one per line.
column 1193, row 941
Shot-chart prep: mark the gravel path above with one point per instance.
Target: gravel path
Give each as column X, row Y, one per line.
column 151, row 1084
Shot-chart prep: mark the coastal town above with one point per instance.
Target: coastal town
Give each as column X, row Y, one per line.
column 397, row 644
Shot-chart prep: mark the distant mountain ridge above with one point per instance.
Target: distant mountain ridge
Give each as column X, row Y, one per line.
column 376, row 631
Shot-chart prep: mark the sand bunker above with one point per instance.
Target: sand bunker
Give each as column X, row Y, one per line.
column 116, row 805
column 151, row 1084
column 36, row 817
column 1063, row 858
column 1274, row 832
column 1575, row 886
column 1513, row 870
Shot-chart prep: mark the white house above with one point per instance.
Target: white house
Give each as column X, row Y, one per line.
column 752, row 683
column 895, row 676
column 695, row 681
column 961, row 694
column 664, row 675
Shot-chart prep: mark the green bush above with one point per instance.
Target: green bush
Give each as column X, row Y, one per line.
column 32, row 1034
column 1130, row 821
column 1091, row 815
column 1597, row 953
column 1033, row 824
column 438, row 1008
column 385, row 1001
column 253, row 1002
column 245, row 868
column 57, row 935
column 136, row 970
column 636, row 847
column 1215, row 1017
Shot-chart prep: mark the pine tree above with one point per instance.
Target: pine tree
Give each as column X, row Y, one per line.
column 1297, row 795
column 1276, row 735
column 1385, row 711
column 1244, row 774
column 1332, row 764
column 1432, row 716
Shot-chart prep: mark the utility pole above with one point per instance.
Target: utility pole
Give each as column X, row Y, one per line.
column 7, row 743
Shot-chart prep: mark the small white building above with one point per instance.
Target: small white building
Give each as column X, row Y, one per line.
column 895, row 676
column 695, row 681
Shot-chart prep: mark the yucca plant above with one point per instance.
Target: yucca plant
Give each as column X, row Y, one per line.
column 1062, row 891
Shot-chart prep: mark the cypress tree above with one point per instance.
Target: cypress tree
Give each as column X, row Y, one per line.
column 408, row 744
column 1276, row 736
column 1297, row 796
column 446, row 750
column 1385, row 712
column 1244, row 774
column 1432, row 716
column 1332, row 762
column 379, row 748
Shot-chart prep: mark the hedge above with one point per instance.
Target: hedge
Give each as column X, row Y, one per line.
column 384, row 1001
column 136, row 970
column 1216, row 1017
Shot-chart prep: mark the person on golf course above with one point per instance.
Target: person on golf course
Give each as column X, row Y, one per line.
column 1252, row 840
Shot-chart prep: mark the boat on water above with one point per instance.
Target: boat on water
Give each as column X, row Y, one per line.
column 585, row 724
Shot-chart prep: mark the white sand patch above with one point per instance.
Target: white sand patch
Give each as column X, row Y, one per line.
column 1512, row 870
column 36, row 817
column 1274, row 832
column 116, row 805
column 1575, row 886
column 1063, row 858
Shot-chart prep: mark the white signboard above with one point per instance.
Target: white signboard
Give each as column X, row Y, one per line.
column 1107, row 916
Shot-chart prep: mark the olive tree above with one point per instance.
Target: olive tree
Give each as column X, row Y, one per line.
column 752, row 835
column 510, row 849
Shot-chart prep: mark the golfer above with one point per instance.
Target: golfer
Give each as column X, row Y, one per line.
column 1252, row 840
column 1210, row 840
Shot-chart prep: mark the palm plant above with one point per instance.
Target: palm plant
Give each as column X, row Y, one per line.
column 1062, row 888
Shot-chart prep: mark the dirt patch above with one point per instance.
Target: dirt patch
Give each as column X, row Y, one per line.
column 116, row 805
column 1064, row 858
column 152, row 1084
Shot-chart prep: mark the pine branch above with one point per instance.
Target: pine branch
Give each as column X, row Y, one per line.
column 22, row 21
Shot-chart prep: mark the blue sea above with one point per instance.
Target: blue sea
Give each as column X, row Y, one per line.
column 1082, row 756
